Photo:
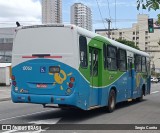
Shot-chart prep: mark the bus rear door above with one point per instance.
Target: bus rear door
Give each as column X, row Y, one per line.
column 130, row 78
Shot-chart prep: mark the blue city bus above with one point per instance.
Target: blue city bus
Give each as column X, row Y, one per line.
column 67, row 66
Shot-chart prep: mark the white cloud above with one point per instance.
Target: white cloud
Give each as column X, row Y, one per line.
column 20, row 10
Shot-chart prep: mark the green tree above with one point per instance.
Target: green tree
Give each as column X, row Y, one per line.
column 150, row 4
column 158, row 21
column 128, row 43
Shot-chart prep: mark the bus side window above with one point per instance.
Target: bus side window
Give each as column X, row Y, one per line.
column 105, row 55
column 111, row 58
column 138, row 63
column 122, row 65
column 144, row 64
column 83, row 51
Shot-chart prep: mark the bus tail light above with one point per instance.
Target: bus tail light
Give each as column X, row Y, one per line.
column 70, row 85
column 13, row 77
column 72, row 79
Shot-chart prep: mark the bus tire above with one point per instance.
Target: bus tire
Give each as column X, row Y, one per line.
column 111, row 101
column 139, row 99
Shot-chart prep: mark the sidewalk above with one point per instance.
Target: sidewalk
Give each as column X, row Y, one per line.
column 5, row 93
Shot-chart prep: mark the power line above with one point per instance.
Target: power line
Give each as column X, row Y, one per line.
column 100, row 13
column 109, row 9
column 115, row 13
column 124, row 20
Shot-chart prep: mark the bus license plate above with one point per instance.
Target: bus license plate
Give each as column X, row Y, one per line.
column 41, row 86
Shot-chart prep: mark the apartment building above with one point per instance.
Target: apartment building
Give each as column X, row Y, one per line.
column 139, row 34
column 51, row 11
column 81, row 15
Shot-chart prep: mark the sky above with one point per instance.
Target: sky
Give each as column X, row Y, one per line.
column 28, row 12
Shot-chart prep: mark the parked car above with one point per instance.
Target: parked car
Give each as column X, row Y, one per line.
column 154, row 79
column 158, row 79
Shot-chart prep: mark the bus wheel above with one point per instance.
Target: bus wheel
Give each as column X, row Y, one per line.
column 139, row 99
column 111, row 101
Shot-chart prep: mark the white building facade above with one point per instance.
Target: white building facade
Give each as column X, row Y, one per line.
column 51, row 11
column 81, row 15
column 139, row 34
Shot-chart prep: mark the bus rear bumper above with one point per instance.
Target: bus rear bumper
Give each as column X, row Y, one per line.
column 43, row 99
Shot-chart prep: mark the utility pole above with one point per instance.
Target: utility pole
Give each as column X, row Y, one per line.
column 109, row 26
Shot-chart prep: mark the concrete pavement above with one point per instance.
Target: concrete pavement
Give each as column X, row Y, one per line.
column 5, row 93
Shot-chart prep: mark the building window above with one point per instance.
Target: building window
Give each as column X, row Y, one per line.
column 133, row 33
column 5, row 56
column 122, row 65
column 111, row 58
column 2, row 40
column 133, row 38
column 83, row 51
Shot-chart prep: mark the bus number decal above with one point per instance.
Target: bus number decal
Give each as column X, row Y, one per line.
column 27, row 68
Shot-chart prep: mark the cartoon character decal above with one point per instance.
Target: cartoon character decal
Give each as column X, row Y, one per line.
column 60, row 78
column 138, row 78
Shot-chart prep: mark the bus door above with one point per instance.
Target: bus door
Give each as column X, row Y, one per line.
column 94, row 63
column 130, row 78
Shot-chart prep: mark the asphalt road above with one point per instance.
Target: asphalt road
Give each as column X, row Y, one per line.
column 145, row 112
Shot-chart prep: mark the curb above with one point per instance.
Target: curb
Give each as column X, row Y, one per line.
column 5, row 99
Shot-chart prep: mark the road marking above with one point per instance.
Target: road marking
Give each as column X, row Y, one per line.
column 36, row 131
column 25, row 115
column 10, row 131
column 39, row 131
column 47, row 121
column 154, row 92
